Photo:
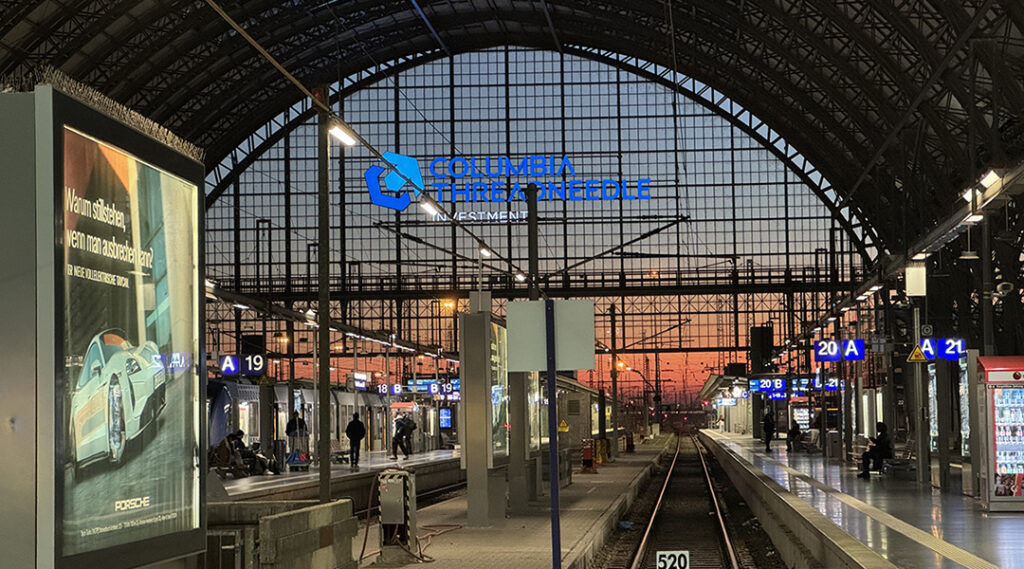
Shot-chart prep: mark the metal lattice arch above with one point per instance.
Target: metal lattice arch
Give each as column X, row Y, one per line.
column 897, row 104
column 227, row 172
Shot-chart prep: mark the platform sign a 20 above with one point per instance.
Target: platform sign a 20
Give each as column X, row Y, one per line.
column 673, row 560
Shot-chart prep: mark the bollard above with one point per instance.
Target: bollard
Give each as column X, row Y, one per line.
column 602, row 451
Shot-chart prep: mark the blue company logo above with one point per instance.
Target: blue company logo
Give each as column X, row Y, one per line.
column 394, row 181
column 497, row 179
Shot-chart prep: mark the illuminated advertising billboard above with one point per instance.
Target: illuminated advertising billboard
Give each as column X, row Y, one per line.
column 129, row 423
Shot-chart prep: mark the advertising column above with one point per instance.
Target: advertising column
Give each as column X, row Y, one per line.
column 130, row 342
column 101, row 295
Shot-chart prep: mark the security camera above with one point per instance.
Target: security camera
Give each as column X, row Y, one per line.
column 1003, row 289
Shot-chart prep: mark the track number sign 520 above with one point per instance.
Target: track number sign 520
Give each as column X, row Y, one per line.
column 673, row 559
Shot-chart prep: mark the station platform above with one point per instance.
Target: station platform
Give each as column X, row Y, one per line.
column 298, row 484
column 907, row 525
column 590, row 508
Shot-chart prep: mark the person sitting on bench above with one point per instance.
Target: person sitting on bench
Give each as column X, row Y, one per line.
column 879, row 449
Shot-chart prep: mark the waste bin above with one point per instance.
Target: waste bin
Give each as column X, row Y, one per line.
column 834, row 444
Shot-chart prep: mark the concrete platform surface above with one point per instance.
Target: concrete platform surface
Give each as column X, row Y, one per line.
column 590, row 508
column 911, row 526
column 369, row 462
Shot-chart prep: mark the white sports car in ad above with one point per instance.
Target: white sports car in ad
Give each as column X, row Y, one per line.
column 120, row 391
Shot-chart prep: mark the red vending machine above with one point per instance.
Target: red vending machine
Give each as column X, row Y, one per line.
column 1003, row 378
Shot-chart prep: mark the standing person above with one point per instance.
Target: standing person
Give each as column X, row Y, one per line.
column 398, row 440
column 879, row 448
column 355, row 431
column 296, row 431
column 769, row 430
column 407, row 430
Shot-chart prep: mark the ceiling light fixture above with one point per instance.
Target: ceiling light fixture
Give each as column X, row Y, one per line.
column 342, row 134
column 428, row 207
column 990, row 179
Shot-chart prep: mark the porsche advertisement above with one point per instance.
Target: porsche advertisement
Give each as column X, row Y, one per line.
column 130, row 434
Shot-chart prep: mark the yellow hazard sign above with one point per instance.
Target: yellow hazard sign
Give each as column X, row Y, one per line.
column 917, row 355
column 563, row 427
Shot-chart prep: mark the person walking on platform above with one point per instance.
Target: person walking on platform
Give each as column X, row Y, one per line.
column 355, row 431
column 769, row 431
column 879, row 449
column 399, row 440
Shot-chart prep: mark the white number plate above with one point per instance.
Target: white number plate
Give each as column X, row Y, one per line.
column 673, row 560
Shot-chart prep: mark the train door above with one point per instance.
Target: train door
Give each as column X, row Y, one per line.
column 379, row 428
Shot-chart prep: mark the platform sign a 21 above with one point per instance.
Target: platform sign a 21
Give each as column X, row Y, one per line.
column 945, row 348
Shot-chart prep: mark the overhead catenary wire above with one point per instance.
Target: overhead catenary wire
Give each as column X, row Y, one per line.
column 481, row 243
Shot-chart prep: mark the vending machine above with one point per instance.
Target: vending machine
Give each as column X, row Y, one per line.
column 1003, row 476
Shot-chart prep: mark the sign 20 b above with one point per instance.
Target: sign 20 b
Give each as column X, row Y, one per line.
column 673, row 560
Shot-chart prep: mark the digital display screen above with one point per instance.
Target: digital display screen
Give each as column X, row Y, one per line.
column 359, row 380
column 800, row 385
column 445, row 418
column 130, row 424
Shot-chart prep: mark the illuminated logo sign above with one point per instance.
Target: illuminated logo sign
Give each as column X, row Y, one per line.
column 496, row 179
column 406, row 170
column 727, row 402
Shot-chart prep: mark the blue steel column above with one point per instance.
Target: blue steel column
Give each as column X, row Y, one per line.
column 556, row 530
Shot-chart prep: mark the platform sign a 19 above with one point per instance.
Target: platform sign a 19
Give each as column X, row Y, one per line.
column 248, row 365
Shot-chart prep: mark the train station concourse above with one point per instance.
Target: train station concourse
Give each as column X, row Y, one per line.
column 582, row 284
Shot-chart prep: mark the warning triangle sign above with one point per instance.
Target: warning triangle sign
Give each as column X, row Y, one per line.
column 563, row 427
column 917, row 355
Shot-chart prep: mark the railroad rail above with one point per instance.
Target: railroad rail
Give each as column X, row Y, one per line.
column 680, row 521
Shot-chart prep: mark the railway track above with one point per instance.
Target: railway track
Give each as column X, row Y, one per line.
column 686, row 517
